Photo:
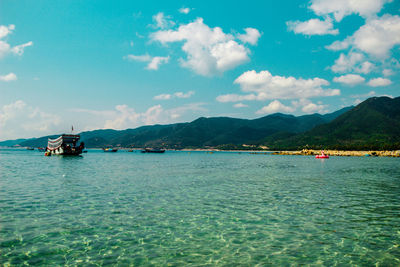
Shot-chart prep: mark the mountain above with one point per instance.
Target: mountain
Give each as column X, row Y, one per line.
column 200, row 133
column 373, row 124
column 12, row 142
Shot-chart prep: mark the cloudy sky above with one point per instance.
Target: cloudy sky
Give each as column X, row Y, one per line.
column 124, row 64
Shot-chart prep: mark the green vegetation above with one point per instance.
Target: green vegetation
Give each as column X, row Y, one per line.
column 372, row 125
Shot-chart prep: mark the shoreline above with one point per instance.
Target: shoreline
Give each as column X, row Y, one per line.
column 304, row 152
column 342, row 153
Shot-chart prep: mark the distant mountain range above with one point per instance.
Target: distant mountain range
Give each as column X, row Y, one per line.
column 373, row 124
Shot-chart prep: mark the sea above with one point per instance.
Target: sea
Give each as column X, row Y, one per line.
column 198, row 208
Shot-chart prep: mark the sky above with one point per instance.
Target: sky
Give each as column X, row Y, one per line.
column 124, row 64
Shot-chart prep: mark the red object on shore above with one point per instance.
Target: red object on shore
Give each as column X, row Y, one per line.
column 322, row 156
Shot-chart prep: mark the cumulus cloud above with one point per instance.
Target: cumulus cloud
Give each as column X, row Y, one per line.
column 184, row 10
column 19, row 120
column 240, row 105
column 163, row 97
column 312, row 27
column 341, row 8
column 376, row 38
column 387, row 72
column 123, row 116
column 161, row 21
column 264, row 86
column 365, row 67
column 307, row 106
column 273, row 107
column 349, row 79
column 8, row 78
column 153, row 62
column 5, row 47
column 209, row 51
column 251, row 36
column 174, row 95
column 346, row 63
column 377, row 82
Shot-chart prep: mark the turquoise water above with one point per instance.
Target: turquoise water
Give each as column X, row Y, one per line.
column 198, row 208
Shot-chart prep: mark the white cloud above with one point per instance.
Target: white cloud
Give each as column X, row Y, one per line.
column 365, row 67
column 8, row 78
column 346, row 63
column 123, row 116
column 236, row 98
column 209, row 51
column 153, row 62
column 377, row 82
column 309, row 107
column 161, row 21
column 251, row 36
column 342, row 8
column 339, row 45
column 6, row 48
column 357, row 101
column 273, row 107
column 240, row 105
column 184, row 10
column 4, row 30
column 163, row 97
column 19, row 120
column 184, row 95
column 387, row 72
column 174, row 95
column 376, row 38
column 142, row 58
column 312, row 27
column 349, row 79
column 264, row 86
column 156, row 62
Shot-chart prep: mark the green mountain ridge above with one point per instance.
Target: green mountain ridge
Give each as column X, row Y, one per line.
column 200, row 133
column 373, row 124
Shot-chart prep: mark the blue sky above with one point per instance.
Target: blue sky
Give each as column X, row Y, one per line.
column 124, row 64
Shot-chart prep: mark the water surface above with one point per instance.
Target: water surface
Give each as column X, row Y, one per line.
column 197, row 208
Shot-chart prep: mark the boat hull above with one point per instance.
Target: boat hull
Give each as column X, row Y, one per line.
column 65, row 145
column 322, row 157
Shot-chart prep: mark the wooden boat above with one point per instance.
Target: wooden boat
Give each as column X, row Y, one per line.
column 65, row 145
column 153, row 150
column 109, row 149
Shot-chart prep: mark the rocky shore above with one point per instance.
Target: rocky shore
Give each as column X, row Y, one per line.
column 311, row 152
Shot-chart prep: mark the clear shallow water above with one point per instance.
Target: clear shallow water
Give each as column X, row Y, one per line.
column 197, row 208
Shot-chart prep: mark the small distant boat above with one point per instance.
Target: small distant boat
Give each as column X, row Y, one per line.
column 41, row 149
column 153, row 150
column 322, row 156
column 110, row 149
column 30, row 148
